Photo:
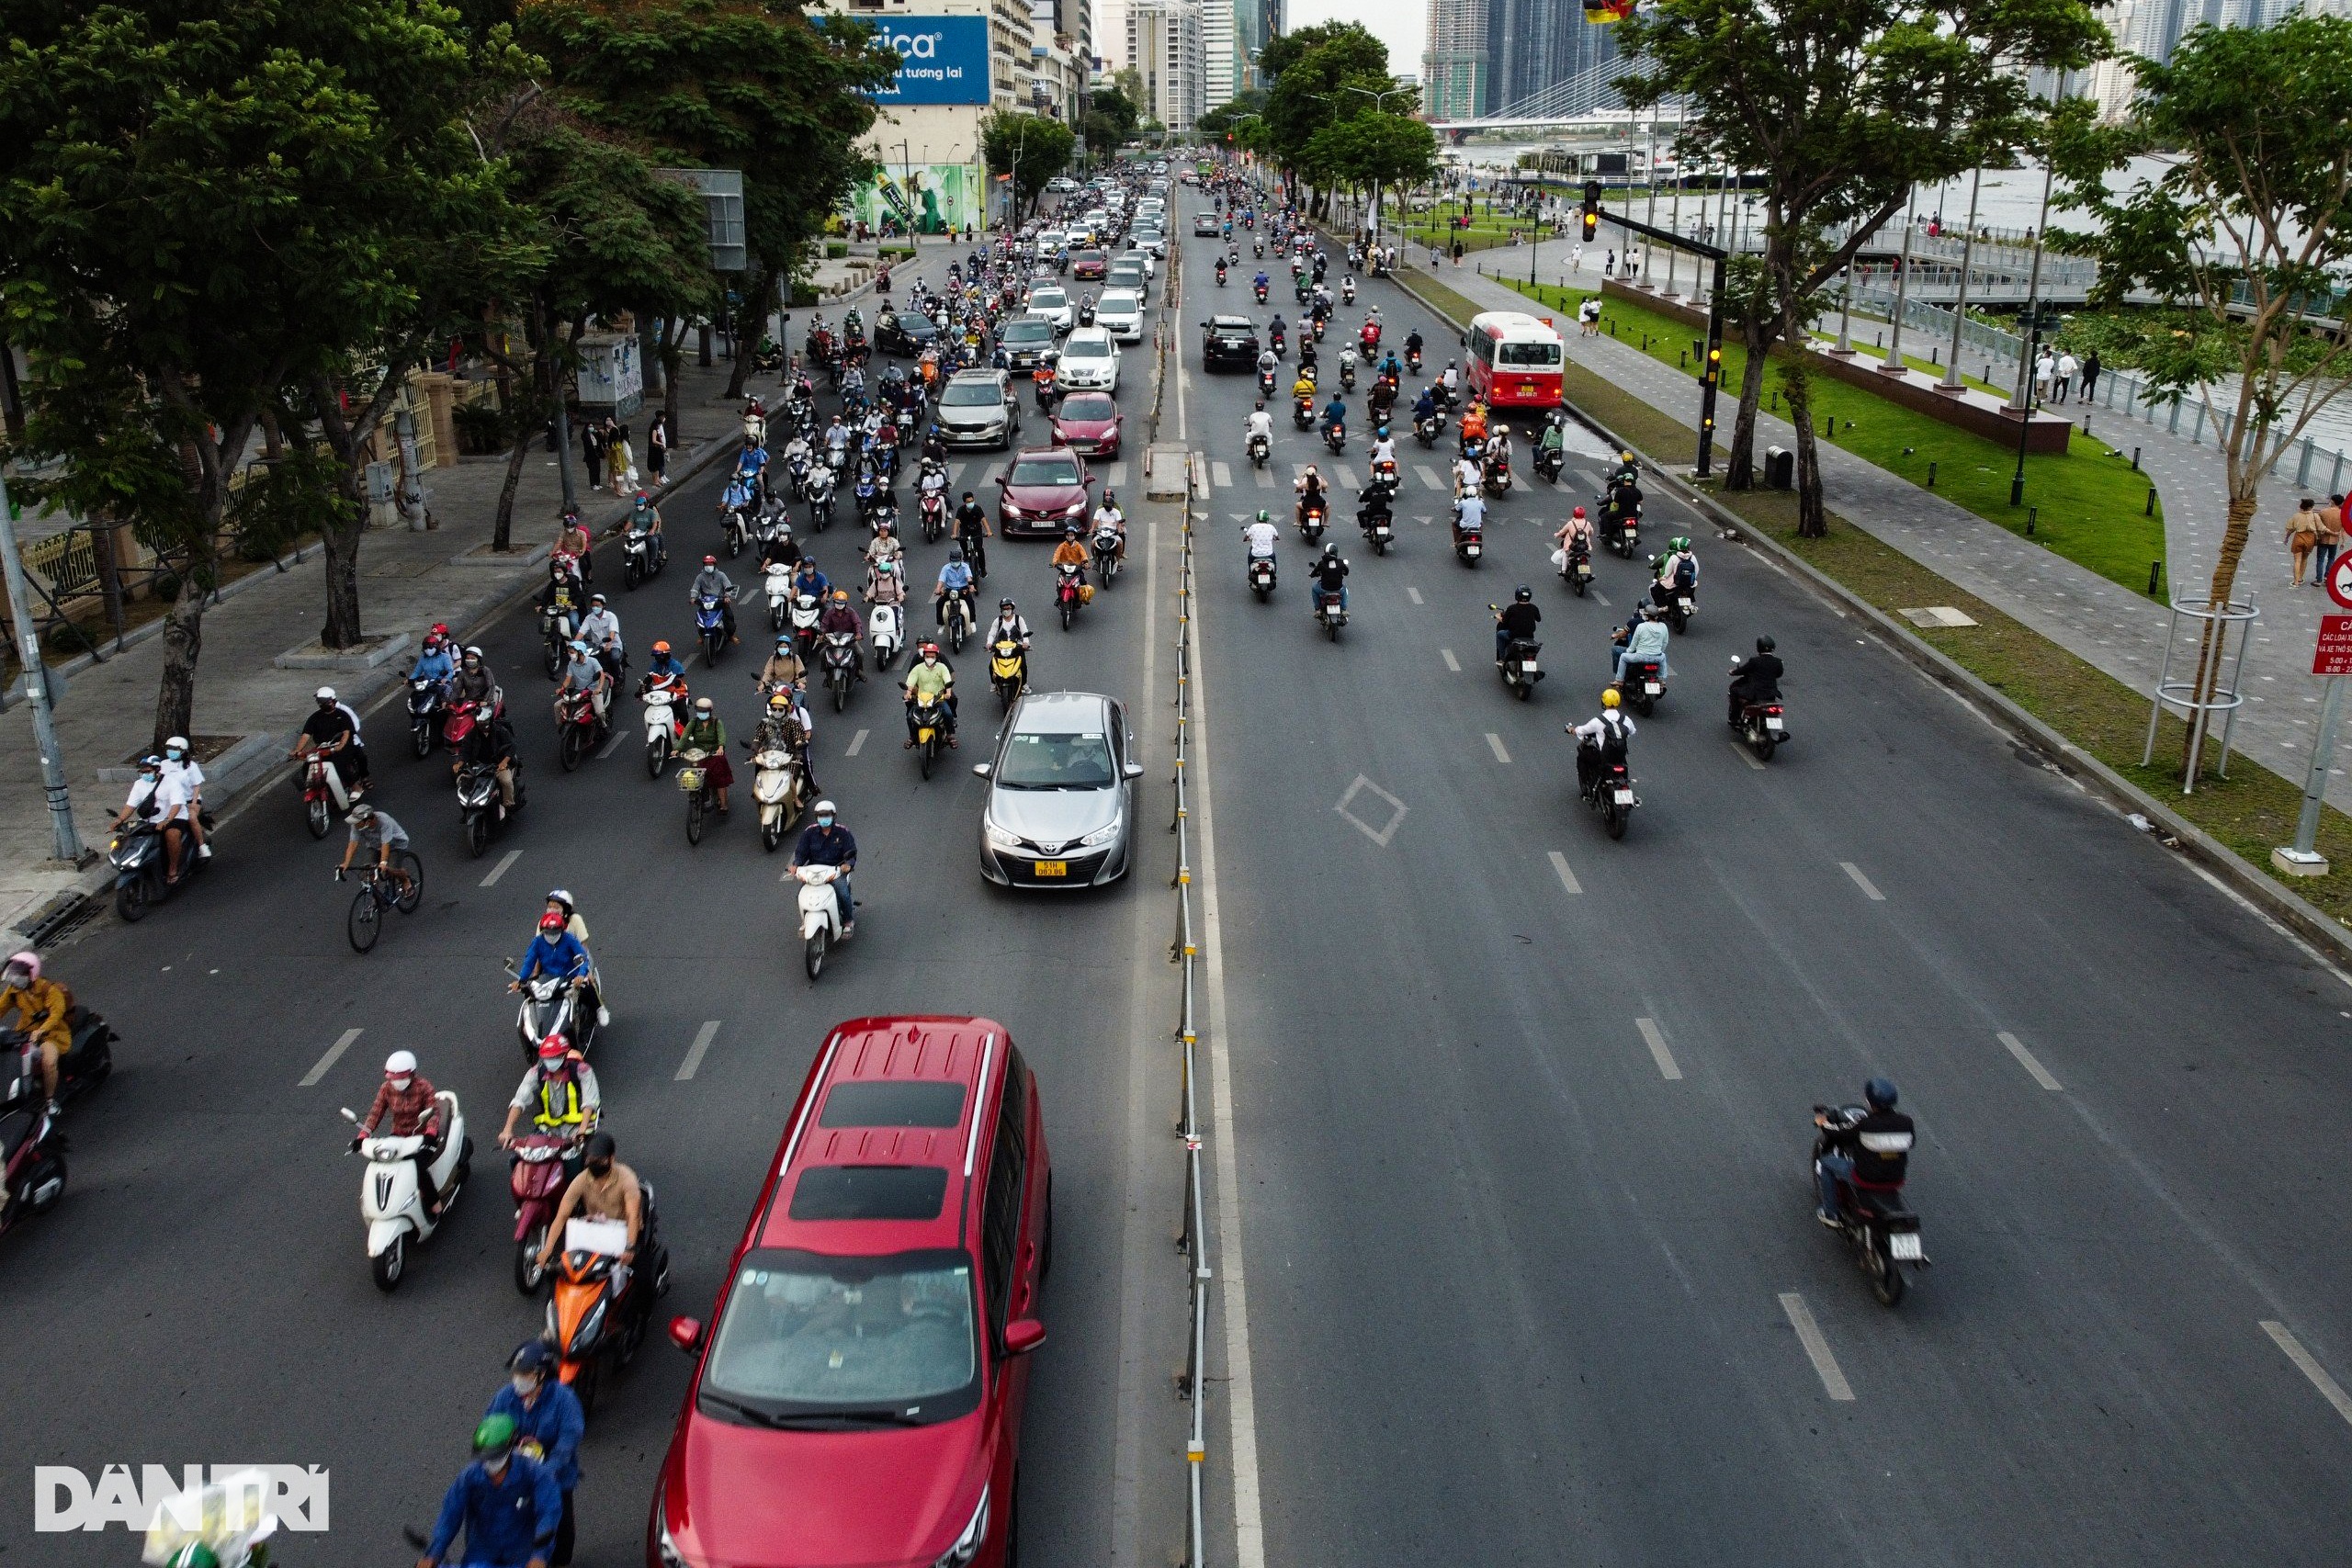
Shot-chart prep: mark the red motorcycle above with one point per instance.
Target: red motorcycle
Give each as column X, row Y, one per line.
column 1069, row 593
column 322, row 791
column 537, row 1179
column 580, row 728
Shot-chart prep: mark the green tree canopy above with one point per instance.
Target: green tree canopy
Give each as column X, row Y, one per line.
column 1029, row 147
column 1110, row 121
column 1313, row 71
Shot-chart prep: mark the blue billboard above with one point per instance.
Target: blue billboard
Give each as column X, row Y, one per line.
column 943, row 60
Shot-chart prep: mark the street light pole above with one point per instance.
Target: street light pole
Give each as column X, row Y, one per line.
column 1959, row 302
column 2034, row 323
column 67, row 841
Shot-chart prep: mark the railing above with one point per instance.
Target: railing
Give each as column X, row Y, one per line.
column 1192, row 1236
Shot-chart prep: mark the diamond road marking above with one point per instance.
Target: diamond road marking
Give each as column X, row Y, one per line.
column 1363, row 785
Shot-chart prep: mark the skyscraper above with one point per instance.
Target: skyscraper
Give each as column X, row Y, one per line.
column 1456, row 69
column 1164, row 47
column 1222, row 67
column 1484, row 55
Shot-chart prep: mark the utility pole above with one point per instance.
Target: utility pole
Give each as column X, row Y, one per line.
column 1960, row 303
column 68, row 842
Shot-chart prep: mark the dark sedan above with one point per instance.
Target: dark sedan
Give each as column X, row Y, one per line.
column 904, row 333
column 1228, row 340
column 1026, row 340
column 1042, row 493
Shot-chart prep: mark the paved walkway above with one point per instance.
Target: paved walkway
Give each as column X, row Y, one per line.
column 2120, row 632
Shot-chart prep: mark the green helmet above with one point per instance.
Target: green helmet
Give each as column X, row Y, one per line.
column 194, row 1554
column 1264, row 517
column 495, row 1438
column 1679, row 543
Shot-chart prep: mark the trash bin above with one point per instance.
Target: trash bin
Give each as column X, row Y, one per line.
column 1779, row 467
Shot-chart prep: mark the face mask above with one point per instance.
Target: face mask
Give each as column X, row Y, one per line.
column 401, row 1084
column 824, row 821
column 525, row 1384
column 600, row 1169
column 175, row 753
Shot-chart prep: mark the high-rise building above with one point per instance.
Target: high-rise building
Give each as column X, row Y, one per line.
column 1256, row 24
column 1222, row 66
column 1457, row 65
column 1164, row 47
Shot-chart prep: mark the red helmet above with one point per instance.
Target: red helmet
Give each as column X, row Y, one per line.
column 553, row 1050
column 550, row 921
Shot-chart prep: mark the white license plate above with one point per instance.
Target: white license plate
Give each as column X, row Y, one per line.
column 1684, row 605
column 1470, row 550
column 1527, row 668
column 1624, row 798
column 1904, row 1246
column 1774, row 725
column 1652, row 688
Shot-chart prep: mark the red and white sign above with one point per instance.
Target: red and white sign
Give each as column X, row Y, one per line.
column 2339, row 581
column 2333, row 656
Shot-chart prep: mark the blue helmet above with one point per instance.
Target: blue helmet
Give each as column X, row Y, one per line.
column 1880, row 1092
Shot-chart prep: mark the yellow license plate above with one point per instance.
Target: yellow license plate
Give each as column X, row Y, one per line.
column 1053, row 868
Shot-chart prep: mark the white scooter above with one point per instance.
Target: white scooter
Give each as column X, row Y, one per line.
column 886, row 629
column 391, row 1201
column 661, row 730
column 775, row 784
column 804, row 612
column 779, row 586
column 820, row 914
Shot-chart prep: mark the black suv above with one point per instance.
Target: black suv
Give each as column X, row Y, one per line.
column 1228, row 340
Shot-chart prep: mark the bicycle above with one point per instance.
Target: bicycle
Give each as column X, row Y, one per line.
column 400, row 887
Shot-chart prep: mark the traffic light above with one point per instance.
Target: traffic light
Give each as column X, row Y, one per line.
column 1713, row 375
column 1591, row 209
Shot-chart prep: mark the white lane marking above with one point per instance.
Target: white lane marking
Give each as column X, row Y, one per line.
column 1658, row 1053
column 2026, row 1060
column 1600, row 598
column 1450, row 662
column 855, row 741
column 615, row 743
column 2330, row 1390
column 1495, row 744
column 1240, row 1396
column 1862, row 882
column 1116, row 475
column 1429, row 476
column 1816, row 1349
column 1745, row 755
column 1345, row 475
column 1413, row 594
column 1567, row 878
column 504, row 861
column 1220, row 475
column 334, row 1053
column 1264, row 477
column 1396, row 818
column 694, row 1053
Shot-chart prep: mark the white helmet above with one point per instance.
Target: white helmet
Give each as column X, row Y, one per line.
column 326, row 693
column 400, row 1064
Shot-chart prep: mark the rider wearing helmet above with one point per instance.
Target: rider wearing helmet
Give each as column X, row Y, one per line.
column 826, row 843
column 954, row 579
column 548, row 1425
column 560, row 1092
column 931, row 675
column 1071, row 551
column 1602, row 738
column 1676, row 572
column 554, row 951
column 840, row 617
column 1517, row 621
column 406, row 1098
column 1262, row 536
column 508, row 1507
column 1870, row 1147
column 40, row 1008
column 1756, row 680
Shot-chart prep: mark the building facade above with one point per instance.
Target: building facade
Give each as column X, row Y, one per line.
column 1164, row 47
column 1456, row 66
column 1222, row 67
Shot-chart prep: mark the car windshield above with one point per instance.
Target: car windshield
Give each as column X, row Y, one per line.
column 1089, row 408
column 1057, row 471
column 1035, row 760
column 1086, row 348
column 970, row 395
column 1029, row 329
column 1527, row 354
column 807, row 1338
column 1048, row 300
column 1121, row 300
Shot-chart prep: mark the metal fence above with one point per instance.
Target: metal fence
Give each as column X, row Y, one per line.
column 1184, row 950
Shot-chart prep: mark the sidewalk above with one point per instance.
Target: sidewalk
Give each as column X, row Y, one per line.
column 2119, row 632
column 409, row 581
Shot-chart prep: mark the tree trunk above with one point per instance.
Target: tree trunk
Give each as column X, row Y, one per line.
column 2210, row 649
column 1796, row 380
column 340, row 535
column 673, row 361
column 1739, row 458
column 501, row 534
column 754, row 306
column 183, row 642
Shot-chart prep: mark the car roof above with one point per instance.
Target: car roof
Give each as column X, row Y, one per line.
column 979, row 373
column 1233, row 322
column 904, row 1050
column 1056, row 450
column 1049, row 711
column 1132, row 296
column 1088, row 335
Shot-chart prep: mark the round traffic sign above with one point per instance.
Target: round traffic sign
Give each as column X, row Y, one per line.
column 2339, row 581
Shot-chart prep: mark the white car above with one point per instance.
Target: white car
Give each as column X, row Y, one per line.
column 1051, row 303
column 1051, row 240
column 1090, row 360
column 1120, row 313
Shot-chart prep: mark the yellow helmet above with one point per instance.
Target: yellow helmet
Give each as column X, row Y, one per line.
column 1608, row 698
column 780, row 701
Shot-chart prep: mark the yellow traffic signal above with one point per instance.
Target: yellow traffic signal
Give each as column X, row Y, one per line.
column 1591, row 209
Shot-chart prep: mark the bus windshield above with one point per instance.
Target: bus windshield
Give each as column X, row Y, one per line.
column 1531, row 354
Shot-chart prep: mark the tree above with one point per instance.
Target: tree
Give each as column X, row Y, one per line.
column 1029, row 150
column 749, row 84
column 189, row 226
column 1841, row 106
column 1312, row 71
column 1372, row 150
column 2247, row 228
column 1110, row 121
column 1247, row 103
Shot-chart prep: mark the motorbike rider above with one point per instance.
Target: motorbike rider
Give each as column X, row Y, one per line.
column 1328, row 576
column 585, row 674
column 1517, row 621
column 1469, row 476
column 1470, row 512
column 1413, row 346
column 1302, row 389
column 140, row 803
column 1373, row 506
column 1383, row 447
column 1643, row 637
column 1870, row 1151
column 606, row 1189
column 840, row 617
column 182, row 775
column 885, row 545
column 1112, row 516
column 1335, row 415
column 1260, row 536
column 825, row 843
column 434, row 661
column 601, row 630
column 1425, row 407
column 1450, row 382
column 474, row 682
column 40, row 1008
column 548, row 1424
column 1009, row 623
column 955, row 578
column 707, row 732
column 555, row 950
column 574, row 539
column 781, row 728
column 406, row 1098
column 1676, row 572
column 1260, row 425
column 1474, row 427
column 1602, row 738
column 1260, row 282
column 1072, row 551
column 560, row 1092
column 930, row 676
column 1496, row 459
column 1554, row 446
column 972, row 532
column 711, row 583
column 333, row 728
column 647, row 517
column 1756, row 680
column 490, row 743
column 1627, row 472
column 1275, row 332
column 1575, row 535
column 508, row 1507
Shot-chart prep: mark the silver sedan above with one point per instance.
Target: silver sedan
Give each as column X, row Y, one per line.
column 1061, row 794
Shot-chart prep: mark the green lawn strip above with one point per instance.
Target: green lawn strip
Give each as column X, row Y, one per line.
column 2251, row 812
column 2088, row 505
column 1484, row 233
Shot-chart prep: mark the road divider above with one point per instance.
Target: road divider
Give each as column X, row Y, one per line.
column 1816, row 1347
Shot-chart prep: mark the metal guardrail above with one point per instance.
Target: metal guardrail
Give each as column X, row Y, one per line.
column 1185, row 950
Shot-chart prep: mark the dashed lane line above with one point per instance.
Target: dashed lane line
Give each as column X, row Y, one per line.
column 1450, row 662
column 2308, row 1364
column 1656, row 1041
column 1567, row 878
column 694, row 1053
column 1816, row 1347
column 504, row 861
column 1864, row 882
column 1495, row 744
column 2026, row 1060
column 856, row 742
column 334, row 1053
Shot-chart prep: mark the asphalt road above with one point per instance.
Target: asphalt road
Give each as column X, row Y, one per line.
column 1522, row 1111
column 202, row 1294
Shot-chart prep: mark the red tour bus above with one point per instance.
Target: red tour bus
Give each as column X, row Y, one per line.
column 1514, row 361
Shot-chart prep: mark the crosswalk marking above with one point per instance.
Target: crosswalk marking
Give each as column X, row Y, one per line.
column 1346, row 476
column 1117, row 477
column 1428, row 477
column 1266, row 478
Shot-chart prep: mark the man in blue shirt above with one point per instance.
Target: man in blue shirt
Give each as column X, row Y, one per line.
column 549, row 1425
column 555, row 950
column 507, row 1506
column 955, row 578
column 824, row 843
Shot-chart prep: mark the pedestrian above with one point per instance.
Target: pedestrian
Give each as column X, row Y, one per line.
column 1459, row 250
column 2045, row 369
column 2090, row 375
column 2331, row 539
column 2302, row 538
column 2068, row 369
column 1576, row 257
column 1589, row 314
column 1608, row 265
column 592, row 451
column 622, row 469
column 657, row 448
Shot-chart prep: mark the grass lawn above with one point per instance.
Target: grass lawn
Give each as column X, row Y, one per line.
column 2089, row 506
column 1486, row 232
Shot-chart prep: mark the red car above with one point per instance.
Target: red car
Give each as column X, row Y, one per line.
column 1042, row 494
column 1088, row 266
column 1088, row 423
column 859, row 1398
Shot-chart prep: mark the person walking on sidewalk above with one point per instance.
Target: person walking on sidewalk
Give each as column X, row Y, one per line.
column 2045, row 370
column 2090, row 375
column 1608, row 265
column 1576, row 257
column 2302, row 539
column 2068, row 369
column 657, row 448
column 592, row 452
column 622, row 469
column 2331, row 539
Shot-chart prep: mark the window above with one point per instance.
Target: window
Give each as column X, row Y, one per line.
column 1059, row 471
column 806, row 1338
column 870, row 1193
column 1035, row 760
column 894, row 1105
column 1482, row 348
column 1087, row 348
column 970, row 395
column 1000, row 1218
column 1530, row 353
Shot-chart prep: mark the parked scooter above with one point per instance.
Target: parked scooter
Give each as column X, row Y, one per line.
column 389, row 1198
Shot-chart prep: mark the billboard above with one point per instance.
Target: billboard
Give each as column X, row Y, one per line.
column 930, row 198
column 943, row 60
